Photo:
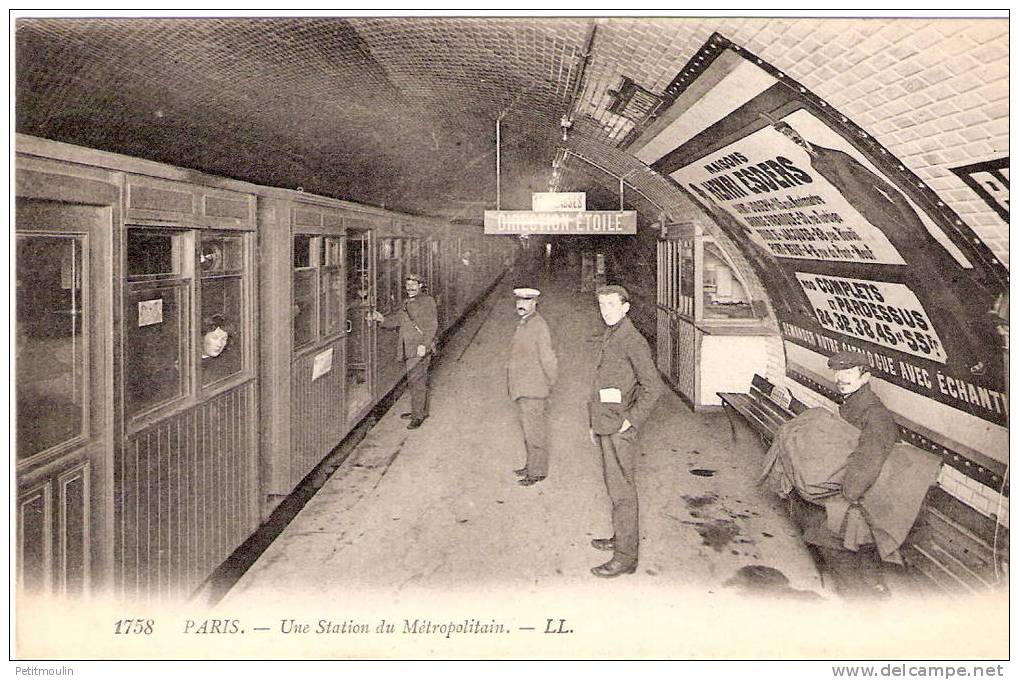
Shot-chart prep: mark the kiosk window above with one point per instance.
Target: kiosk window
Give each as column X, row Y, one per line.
column 724, row 296
column 687, row 277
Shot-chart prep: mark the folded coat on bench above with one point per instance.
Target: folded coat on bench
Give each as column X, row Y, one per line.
column 810, row 453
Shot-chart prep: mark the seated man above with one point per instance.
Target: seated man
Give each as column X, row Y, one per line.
column 857, row 573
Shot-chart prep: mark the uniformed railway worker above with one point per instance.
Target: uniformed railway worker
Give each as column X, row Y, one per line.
column 857, row 573
column 530, row 375
column 417, row 320
column 626, row 387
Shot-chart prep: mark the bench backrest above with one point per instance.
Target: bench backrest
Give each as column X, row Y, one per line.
column 763, row 389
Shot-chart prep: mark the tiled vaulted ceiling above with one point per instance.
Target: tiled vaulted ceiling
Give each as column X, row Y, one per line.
column 402, row 112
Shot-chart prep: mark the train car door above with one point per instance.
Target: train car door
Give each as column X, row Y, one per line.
column 64, row 384
column 361, row 295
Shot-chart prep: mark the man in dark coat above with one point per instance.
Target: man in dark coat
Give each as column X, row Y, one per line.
column 857, row 573
column 626, row 387
column 530, row 375
column 418, row 323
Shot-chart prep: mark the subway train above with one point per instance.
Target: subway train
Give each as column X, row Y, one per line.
column 188, row 349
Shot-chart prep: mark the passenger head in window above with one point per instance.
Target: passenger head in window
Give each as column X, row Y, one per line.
column 214, row 336
column 211, row 257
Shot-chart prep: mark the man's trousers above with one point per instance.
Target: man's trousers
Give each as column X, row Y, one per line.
column 532, row 421
column 417, row 385
column 619, row 454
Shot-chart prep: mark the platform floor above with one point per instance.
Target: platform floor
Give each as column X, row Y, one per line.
column 432, row 520
column 439, row 506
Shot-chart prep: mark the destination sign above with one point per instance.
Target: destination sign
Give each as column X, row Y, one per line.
column 558, row 200
column 591, row 222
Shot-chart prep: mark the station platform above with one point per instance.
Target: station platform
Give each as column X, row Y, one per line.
column 439, row 507
column 428, row 531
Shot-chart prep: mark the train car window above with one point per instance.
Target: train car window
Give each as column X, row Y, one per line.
column 150, row 254
column 304, row 308
column 156, row 319
column 332, row 251
column 318, row 288
column 50, row 339
column 331, row 286
column 388, row 276
column 221, row 345
column 302, row 250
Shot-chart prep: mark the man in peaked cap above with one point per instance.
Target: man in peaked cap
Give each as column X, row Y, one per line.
column 418, row 322
column 625, row 390
column 857, row 573
column 530, row 375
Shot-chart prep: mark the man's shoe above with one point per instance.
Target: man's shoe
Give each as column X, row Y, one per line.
column 415, row 423
column 406, row 416
column 603, row 543
column 528, row 481
column 613, row 568
column 520, row 472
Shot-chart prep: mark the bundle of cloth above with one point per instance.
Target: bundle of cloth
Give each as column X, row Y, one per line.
column 809, row 455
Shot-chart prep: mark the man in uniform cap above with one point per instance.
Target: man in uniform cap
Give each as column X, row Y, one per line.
column 530, row 375
column 857, row 573
column 417, row 321
column 626, row 387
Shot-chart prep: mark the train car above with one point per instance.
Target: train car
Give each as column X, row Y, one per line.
column 189, row 348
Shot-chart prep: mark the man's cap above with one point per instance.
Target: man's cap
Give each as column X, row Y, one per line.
column 415, row 277
column 844, row 360
column 526, row 293
column 619, row 290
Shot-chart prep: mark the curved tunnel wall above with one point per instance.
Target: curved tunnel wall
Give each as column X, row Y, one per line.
column 853, row 250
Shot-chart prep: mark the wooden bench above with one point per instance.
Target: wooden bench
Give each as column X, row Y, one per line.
column 952, row 547
column 766, row 407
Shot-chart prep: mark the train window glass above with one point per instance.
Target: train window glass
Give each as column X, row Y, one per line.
column 388, row 294
column 331, row 308
column 724, row 296
column 307, row 256
column 221, row 345
column 332, row 251
column 219, row 254
column 50, row 342
column 304, row 307
column 156, row 319
column 150, row 253
column 331, row 288
column 155, row 367
column 302, row 250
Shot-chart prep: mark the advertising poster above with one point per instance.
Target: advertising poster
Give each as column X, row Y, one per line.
column 848, row 260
